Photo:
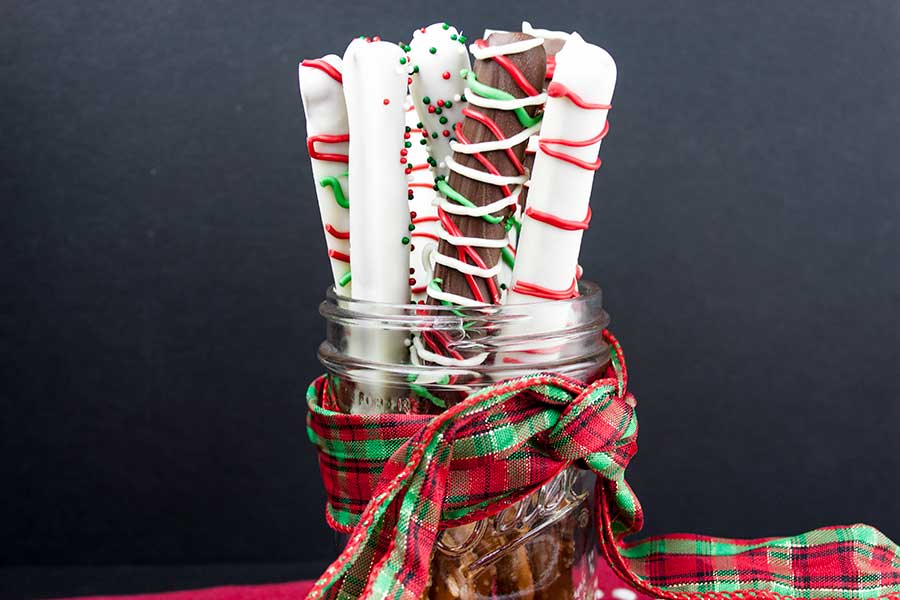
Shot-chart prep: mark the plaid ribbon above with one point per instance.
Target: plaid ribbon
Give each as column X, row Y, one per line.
column 394, row 481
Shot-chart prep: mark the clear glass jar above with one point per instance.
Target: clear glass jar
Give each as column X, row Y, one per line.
column 382, row 359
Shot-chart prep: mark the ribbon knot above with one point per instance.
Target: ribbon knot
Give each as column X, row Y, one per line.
column 394, row 481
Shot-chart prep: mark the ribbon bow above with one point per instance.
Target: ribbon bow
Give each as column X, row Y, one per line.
column 394, row 481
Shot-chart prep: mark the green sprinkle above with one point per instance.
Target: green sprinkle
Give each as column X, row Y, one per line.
column 433, row 50
column 462, row 39
column 402, row 60
column 407, row 144
column 343, row 281
column 443, row 120
column 405, row 240
column 453, row 36
column 445, row 26
column 423, row 142
column 434, row 135
column 416, row 69
column 408, row 129
column 419, row 125
column 448, row 104
column 426, row 100
column 412, row 227
column 438, row 111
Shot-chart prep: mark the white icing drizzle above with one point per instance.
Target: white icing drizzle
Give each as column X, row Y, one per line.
column 484, row 176
column 459, row 240
column 482, row 53
column 492, row 145
column 464, row 267
column 479, row 211
column 547, row 34
column 424, row 353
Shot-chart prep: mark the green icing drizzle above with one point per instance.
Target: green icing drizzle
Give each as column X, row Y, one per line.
column 452, row 194
column 486, row 91
column 508, row 257
column 335, row 186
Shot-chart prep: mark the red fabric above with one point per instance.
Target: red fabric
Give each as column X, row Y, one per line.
column 606, row 580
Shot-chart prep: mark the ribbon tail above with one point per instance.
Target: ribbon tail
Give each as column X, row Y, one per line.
column 849, row 562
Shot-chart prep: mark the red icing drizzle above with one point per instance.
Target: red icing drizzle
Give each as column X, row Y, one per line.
column 336, row 255
column 558, row 90
column 559, row 222
column 324, row 138
column 341, row 235
column 513, row 71
column 551, row 66
column 545, row 143
column 325, row 67
column 539, row 291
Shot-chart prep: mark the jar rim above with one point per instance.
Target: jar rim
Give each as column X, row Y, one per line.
column 339, row 307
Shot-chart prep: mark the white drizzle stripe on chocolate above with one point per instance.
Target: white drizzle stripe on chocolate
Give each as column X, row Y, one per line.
column 491, row 145
column 322, row 94
column 484, row 176
column 482, row 53
column 547, row 34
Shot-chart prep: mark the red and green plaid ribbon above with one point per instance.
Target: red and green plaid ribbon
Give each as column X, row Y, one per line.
column 394, row 481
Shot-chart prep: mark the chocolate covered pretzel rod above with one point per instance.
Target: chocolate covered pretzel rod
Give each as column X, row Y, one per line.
column 486, row 170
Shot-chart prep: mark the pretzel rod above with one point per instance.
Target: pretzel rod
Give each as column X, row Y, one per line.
column 422, row 210
column 437, row 57
column 375, row 93
column 558, row 209
column 486, row 170
column 322, row 93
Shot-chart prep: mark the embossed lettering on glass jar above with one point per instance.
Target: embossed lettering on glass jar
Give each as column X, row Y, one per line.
column 542, row 547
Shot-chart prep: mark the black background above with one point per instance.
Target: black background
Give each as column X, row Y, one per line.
column 162, row 261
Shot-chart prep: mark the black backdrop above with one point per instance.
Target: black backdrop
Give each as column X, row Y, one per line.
column 162, row 261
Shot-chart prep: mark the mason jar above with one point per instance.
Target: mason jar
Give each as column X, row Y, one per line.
column 421, row 359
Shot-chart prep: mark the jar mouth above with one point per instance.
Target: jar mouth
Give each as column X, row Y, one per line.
column 343, row 309
column 381, row 344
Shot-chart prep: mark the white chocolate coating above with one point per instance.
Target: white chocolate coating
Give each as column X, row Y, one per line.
column 428, row 71
column 548, row 256
column 421, row 182
column 375, row 94
column 326, row 114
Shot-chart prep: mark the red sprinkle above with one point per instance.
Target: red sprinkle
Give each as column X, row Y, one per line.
column 412, row 214
column 377, row 38
column 404, row 152
column 406, row 136
column 446, row 74
column 440, row 103
column 409, row 81
column 402, row 161
column 446, row 133
column 412, row 281
column 431, row 108
column 422, row 29
column 386, row 101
